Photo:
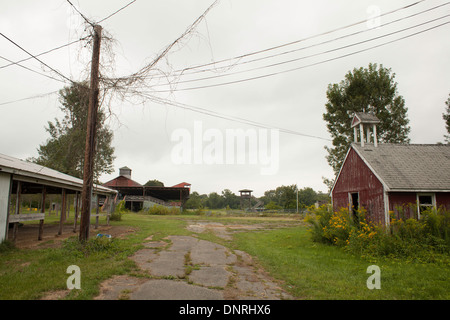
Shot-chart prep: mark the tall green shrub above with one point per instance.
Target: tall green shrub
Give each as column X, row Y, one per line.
column 425, row 240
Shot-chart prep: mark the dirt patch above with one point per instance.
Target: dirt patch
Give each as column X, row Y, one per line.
column 226, row 231
column 55, row 295
column 27, row 236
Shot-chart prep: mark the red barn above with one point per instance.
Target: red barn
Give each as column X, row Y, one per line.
column 399, row 178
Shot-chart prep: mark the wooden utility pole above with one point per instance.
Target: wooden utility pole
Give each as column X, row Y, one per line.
column 89, row 154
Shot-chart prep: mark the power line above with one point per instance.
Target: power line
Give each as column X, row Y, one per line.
column 34, row 57
column 305, row 66
column 45, row 52
column 28, row 98
column 183, row 73
column 29, row 69
column 226, row 117
column 309, row 56
column 117, row 11
column 140, row 74
column 82, row 15
column 297, row 41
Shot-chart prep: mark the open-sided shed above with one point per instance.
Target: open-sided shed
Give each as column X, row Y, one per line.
column 136, row 196
column 18, row 177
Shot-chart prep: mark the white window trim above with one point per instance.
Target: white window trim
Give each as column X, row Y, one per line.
column 433, row 201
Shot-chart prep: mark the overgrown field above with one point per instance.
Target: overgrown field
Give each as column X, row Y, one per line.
column 309, row 270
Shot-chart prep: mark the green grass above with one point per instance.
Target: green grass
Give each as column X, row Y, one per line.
column 27, row 274
column 318, row 271
column 308, row 270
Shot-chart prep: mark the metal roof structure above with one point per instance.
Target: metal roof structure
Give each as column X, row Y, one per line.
column 38, row 175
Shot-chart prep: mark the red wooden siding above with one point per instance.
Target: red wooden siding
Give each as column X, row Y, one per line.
column 355, row 176
column 443, row 200
column 403, row 204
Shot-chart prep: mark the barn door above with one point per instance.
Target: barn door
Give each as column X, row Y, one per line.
column 353, row 200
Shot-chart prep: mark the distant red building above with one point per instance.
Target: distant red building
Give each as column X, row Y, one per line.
column 399, row 178
column 123, row 180
column 138, row 197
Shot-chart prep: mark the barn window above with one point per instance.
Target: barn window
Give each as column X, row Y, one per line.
column 425, row 201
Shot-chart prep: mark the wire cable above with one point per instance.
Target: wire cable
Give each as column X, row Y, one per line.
column 297, row 41
column 82, row 15
column 305, row 66
column 117, row 11
column 226, row 117
column 34, row 57
column 29, row 69
column 308, row 56
column 197, row 68
column 28, row 98
column 45, row 52
column 181, row 72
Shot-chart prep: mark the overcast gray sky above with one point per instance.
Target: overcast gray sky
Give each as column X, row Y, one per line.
column 283, row 88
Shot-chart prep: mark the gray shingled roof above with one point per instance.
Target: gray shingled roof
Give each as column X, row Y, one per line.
column 409, row 167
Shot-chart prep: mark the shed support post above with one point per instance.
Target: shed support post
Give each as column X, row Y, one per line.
column 110, row 209
column 77, row 206
column 97, row 211
column 41, row 222
column 63, row 211
column 17, row 210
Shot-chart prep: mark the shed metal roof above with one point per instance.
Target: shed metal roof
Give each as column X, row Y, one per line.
column 31, row 172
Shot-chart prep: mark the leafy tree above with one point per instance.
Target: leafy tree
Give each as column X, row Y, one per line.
column 287, row 196
column 272, row 206
column 195, row 201
column 230, row 199
column 371, row 89
column 269, row 196
column 64, row 150
column 446, row 117
column 307, row 197
column 154, row 183
column 215, row 201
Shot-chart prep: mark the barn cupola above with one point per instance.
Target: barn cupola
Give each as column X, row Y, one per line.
column 367, row 122
column 125, row 171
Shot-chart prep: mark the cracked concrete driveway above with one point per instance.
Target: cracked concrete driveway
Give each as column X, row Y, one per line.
column 188, row 268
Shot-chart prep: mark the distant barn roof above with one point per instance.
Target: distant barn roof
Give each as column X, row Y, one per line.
column 409, row 167
column 122, row 181
column 182, row 185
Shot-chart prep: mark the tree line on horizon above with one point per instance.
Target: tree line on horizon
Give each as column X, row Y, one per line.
column 281, row 198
